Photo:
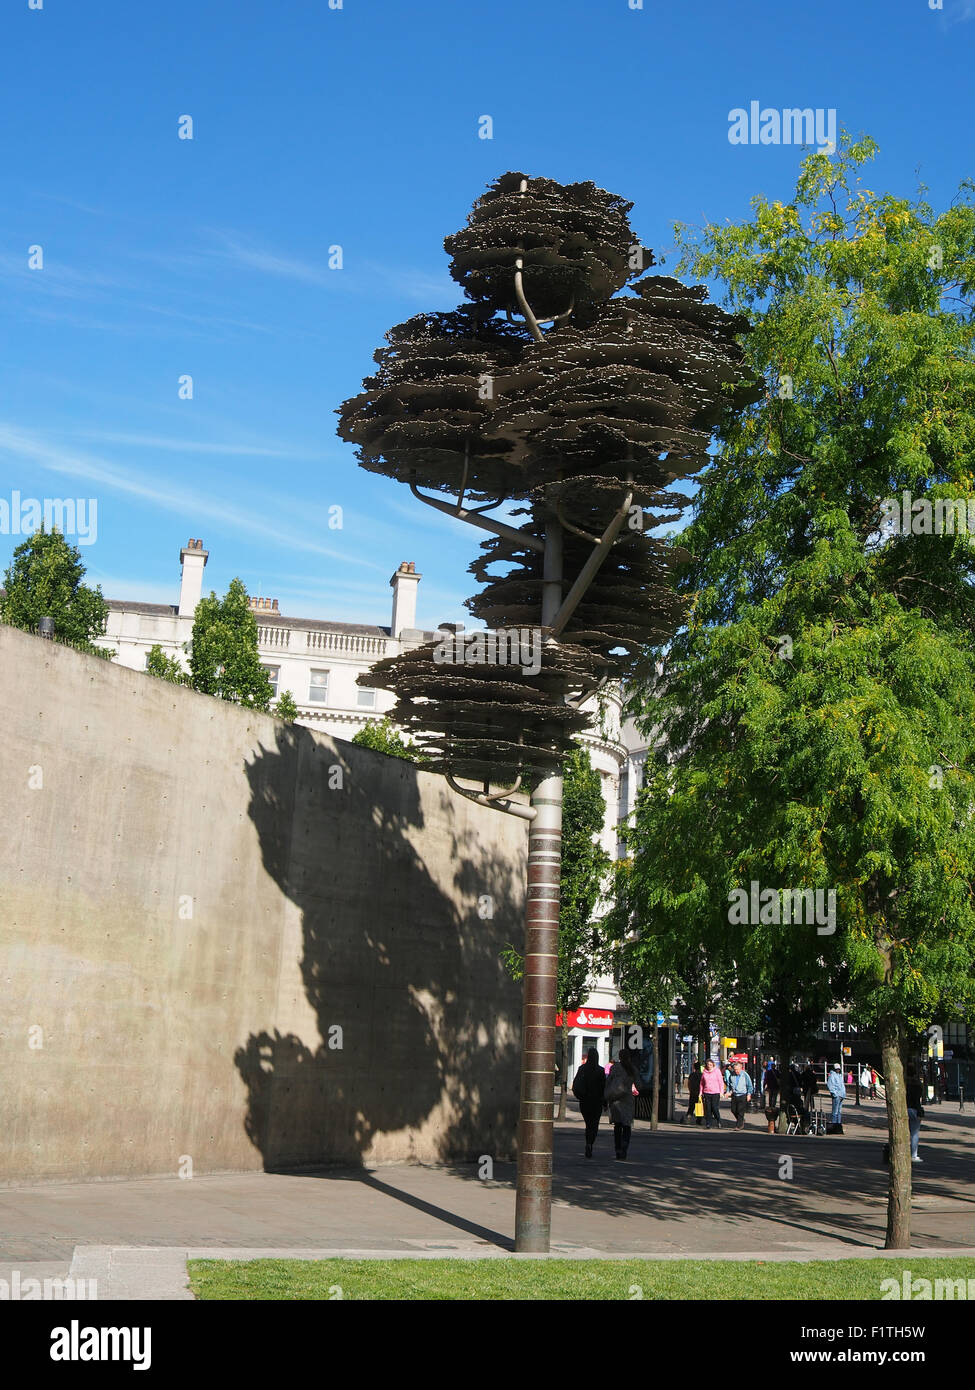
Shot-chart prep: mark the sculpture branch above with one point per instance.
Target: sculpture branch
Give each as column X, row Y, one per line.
column 498, row 528
column 576, row 530
column 494, row 799
column 564, row 316
column 524, row 306
column 591, row 567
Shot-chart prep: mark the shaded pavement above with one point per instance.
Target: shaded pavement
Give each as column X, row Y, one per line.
column 683, row 1191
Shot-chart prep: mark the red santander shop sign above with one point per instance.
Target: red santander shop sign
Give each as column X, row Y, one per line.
column 587, row 1018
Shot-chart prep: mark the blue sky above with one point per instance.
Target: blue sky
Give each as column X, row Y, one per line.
column 357, row 127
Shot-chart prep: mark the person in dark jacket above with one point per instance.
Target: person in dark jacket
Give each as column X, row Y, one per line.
column 793, row 1095
column 588, row 1088
column 771, row 1082
column 623, row 1079
column 809, row 1084
column 694, row 1093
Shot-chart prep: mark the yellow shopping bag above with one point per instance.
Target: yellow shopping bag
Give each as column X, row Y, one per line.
column 699, row 1108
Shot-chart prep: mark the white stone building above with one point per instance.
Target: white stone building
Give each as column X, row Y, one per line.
column 318, row 662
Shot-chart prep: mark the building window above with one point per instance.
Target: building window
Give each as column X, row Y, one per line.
column 365, row 699
column 273, row 672
column 318, row 689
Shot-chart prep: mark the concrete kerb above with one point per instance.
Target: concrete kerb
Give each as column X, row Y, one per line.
column 156, row 1274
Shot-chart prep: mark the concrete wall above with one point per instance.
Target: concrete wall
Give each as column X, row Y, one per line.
column 194, row 898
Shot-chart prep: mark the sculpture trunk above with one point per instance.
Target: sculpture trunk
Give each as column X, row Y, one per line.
column 533, row 1202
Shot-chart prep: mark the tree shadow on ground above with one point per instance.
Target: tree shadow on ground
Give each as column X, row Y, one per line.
column 836, row 1185
column 677, row 1177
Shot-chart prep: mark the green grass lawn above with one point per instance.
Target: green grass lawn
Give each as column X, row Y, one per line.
column 559, row 1279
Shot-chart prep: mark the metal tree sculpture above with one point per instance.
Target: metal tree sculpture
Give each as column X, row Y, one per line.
column 550, row 389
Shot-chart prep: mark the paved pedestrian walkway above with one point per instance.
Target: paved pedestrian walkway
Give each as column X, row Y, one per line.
column 683, row 1192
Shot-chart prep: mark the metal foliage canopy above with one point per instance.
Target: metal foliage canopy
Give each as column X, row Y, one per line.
column 551, row 388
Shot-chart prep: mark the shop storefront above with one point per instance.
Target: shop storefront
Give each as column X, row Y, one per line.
column 587, row 1028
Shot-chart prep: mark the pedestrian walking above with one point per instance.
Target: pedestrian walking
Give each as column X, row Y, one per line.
column 838, row 1091
column 740, row 1088
column 619, row 1096
column 589, row 1087
column 810, row 1085
column 915, row 1109
column 793, row 1096
column 772, row 1083
column 873, row 1083
column 712, row 1085
column 864, row 1081
column 693, row 1093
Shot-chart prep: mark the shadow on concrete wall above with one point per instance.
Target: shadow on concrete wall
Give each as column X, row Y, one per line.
column 394, row 955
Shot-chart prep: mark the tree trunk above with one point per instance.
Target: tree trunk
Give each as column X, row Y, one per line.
column 564, row 1069
column 899, row 1137
column 655, row 1080
column 704, row 1040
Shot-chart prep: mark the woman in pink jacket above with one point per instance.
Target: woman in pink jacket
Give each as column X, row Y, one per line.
column 712, row 1085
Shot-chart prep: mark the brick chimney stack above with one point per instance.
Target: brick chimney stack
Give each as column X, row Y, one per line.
column 404, row 585
column 264, row 605
column 193, row 560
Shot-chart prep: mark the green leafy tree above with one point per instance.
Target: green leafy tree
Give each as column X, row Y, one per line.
column 285, row 707
column 663, row 959
column 45, row 580
column 584, row 867
column 667, row 934
column 224, row 660
column 167, row 668
column 820, row 701
column 384, row 738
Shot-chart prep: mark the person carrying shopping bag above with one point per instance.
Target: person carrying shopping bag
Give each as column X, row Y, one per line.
column 712, row 1085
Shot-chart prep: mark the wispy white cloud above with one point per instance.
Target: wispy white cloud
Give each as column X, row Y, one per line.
column 272, row 263
column 192, row 505
column 195, row 446
column 127, row 294
column 58, row 279
column 73, row 203
column 368, row 276
column 206, row 320
column 136, row 325
column 429, row 289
